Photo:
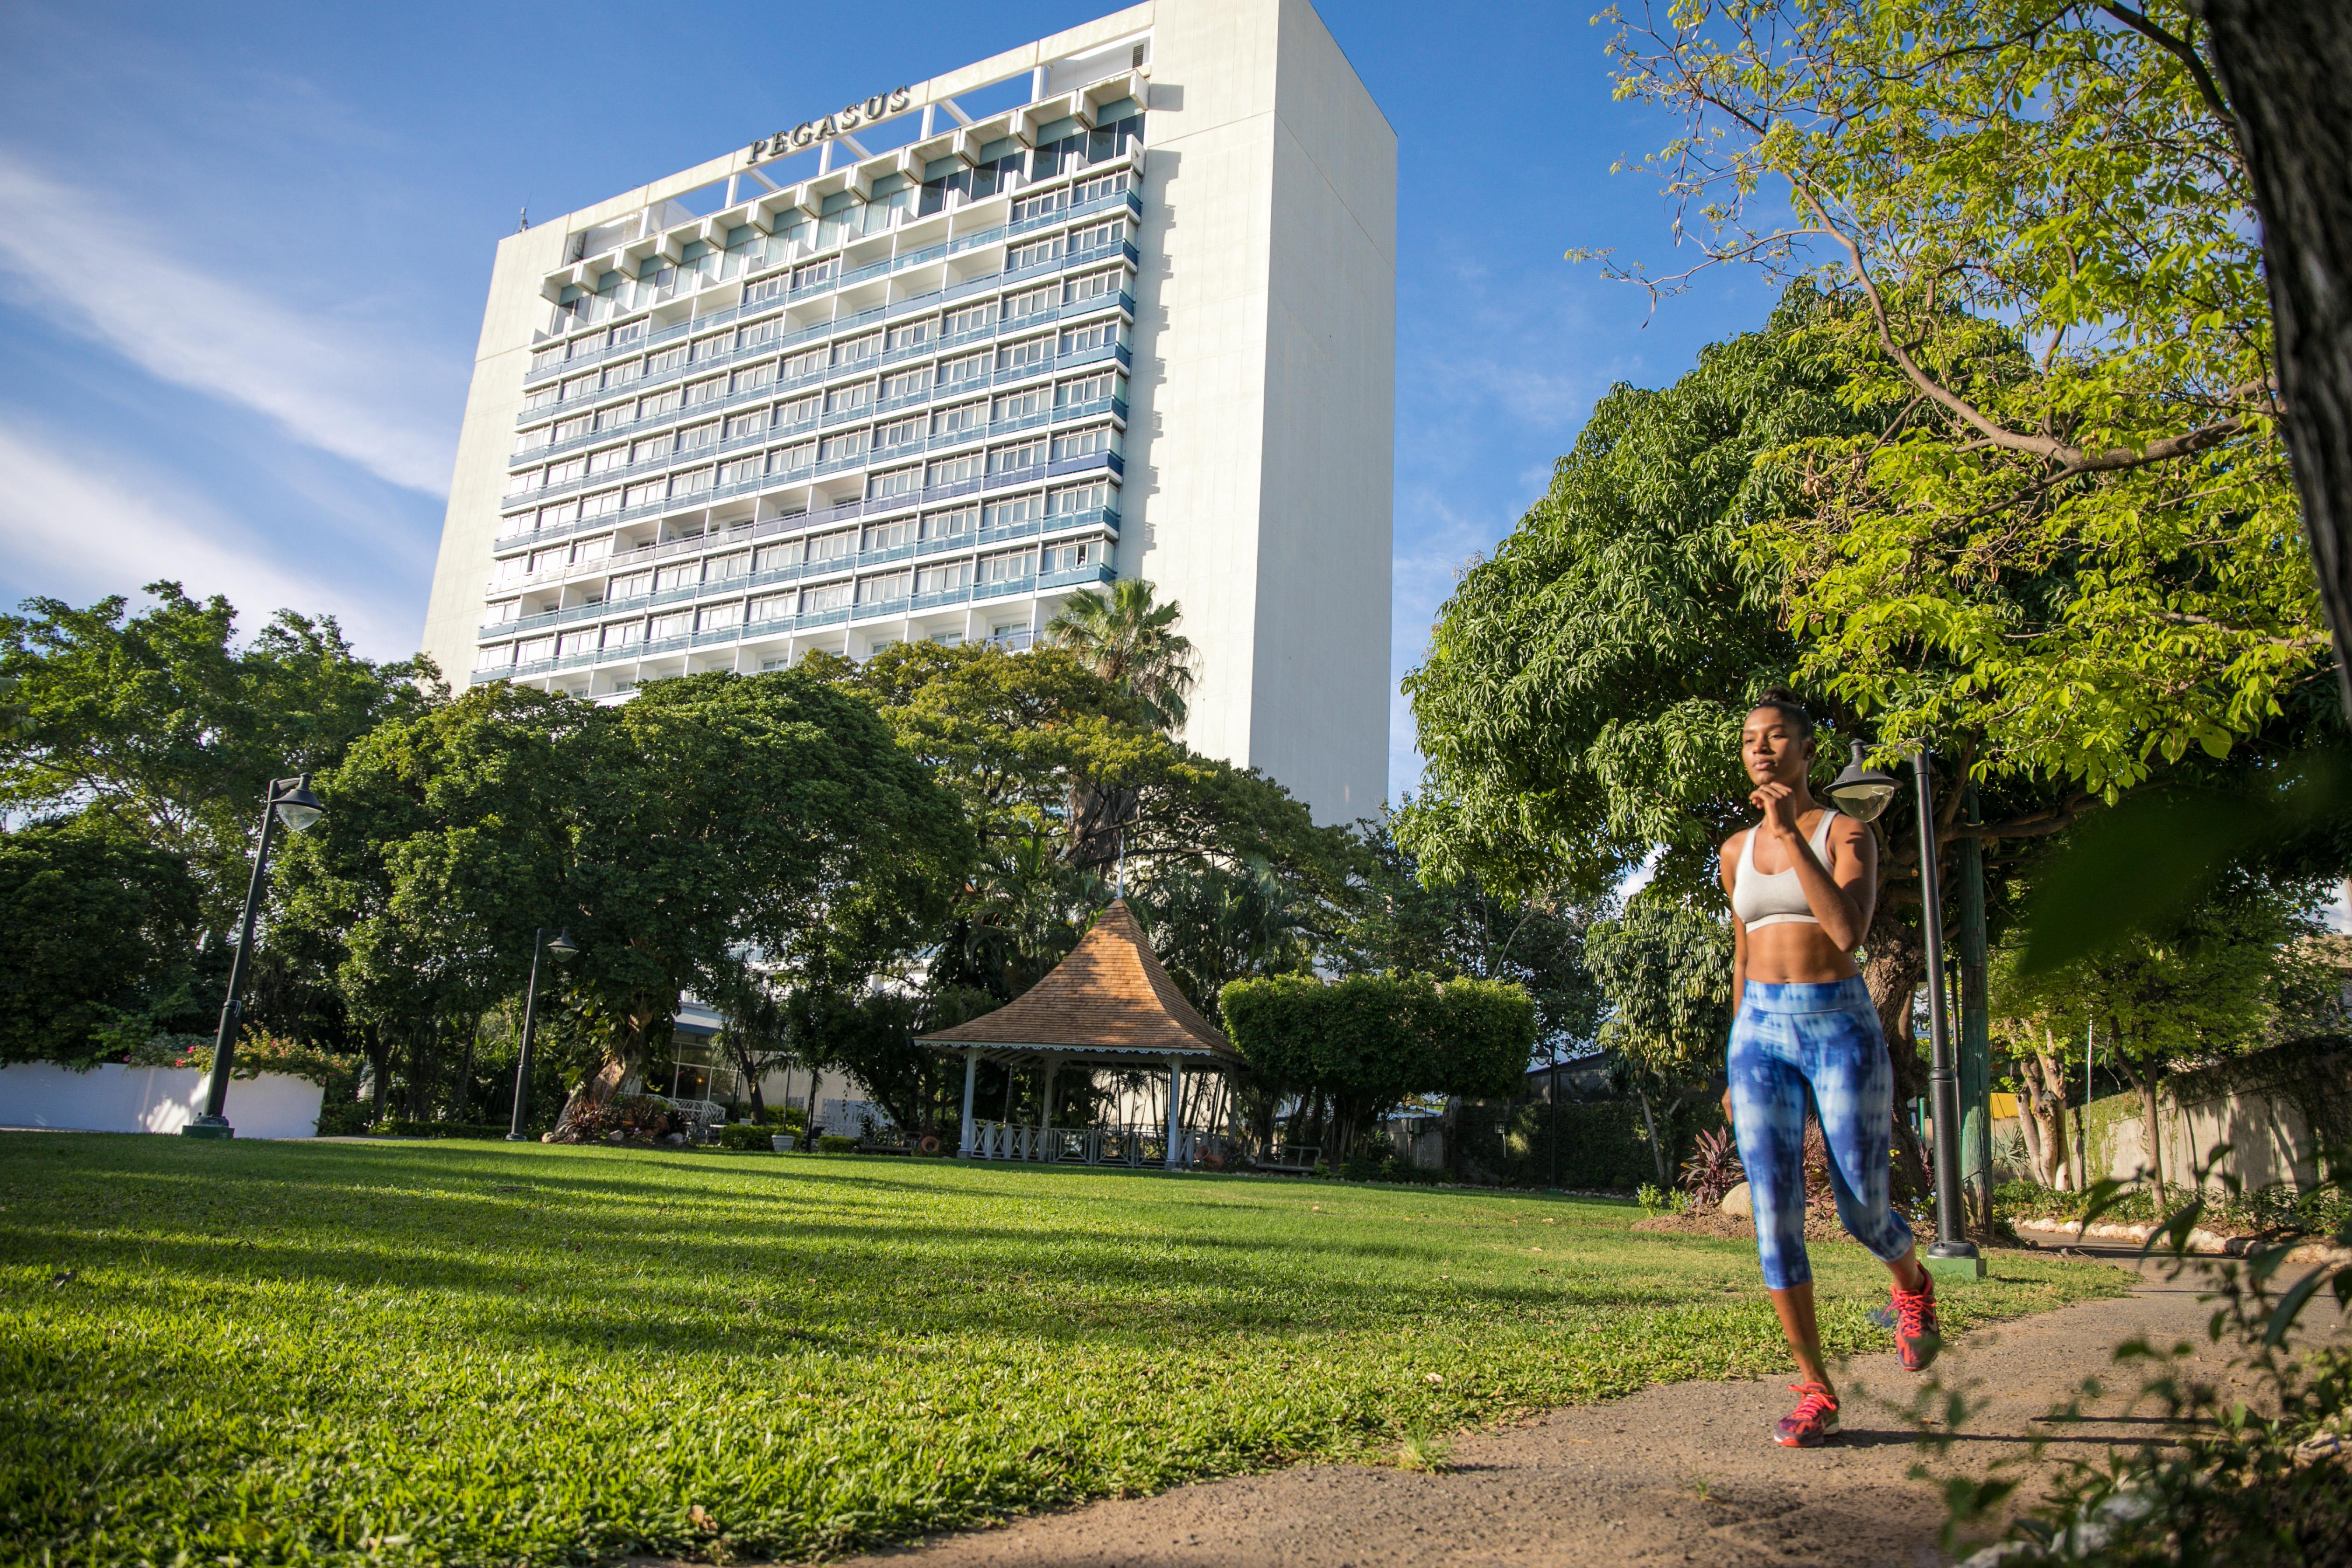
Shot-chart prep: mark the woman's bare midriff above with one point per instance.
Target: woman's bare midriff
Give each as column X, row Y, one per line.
column 1794, row 953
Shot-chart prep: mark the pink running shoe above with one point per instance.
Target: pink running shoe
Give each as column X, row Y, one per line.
column 1916, row 1335
column 1809, row 1425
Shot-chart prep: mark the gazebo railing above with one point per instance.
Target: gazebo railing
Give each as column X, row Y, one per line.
column 1133, row 1145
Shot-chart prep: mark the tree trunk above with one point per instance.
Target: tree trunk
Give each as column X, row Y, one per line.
column 2152, row 1138
column 465, row 1095
column 1897, row 964
column 2029, row 1126
column 1650, row 1121
column 380, row 1060
column 2049, row 1081
column 2284, row 65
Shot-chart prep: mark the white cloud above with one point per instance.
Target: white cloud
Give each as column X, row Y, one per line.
column 84, row 525
column 361, row 394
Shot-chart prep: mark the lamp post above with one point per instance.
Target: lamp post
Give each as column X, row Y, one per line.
column 288, row 801
column 560, row 949
column 1862, row 792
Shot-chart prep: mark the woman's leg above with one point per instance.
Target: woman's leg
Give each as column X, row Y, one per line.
column 1853, row 1089
column 1767, row 1095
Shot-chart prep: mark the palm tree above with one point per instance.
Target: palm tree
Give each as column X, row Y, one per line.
column 1129, row 639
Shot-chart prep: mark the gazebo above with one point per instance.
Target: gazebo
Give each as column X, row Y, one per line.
column 1108, row 1004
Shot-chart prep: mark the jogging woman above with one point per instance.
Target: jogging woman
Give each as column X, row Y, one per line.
column 1802, row 884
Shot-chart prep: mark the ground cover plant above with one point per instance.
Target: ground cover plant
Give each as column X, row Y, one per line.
column 443, row 1352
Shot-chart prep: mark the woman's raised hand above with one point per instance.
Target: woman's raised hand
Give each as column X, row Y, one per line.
column 1778, row 802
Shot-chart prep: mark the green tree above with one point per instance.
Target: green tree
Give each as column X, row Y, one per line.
column 1129, row 639
column 163, row 720
column 96, row 931
column 2228, row 975
column 1369, row 1040
column 1666, row 969
column 2063, row 531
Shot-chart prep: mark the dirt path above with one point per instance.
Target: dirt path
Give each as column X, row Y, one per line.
column 1685, row 1473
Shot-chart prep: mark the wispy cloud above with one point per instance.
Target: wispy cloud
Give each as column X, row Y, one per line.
column 361, row 394
column 83, row 524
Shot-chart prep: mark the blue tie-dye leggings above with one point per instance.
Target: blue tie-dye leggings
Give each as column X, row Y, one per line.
column 1786, row 1040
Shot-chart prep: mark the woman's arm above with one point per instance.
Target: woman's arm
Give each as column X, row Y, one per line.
column 1842, row 901
column 1728, row 868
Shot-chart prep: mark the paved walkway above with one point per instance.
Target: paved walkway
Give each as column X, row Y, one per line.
column 1684, row 1473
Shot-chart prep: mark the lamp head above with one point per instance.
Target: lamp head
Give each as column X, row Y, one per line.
column 298, row 808
column 561, row 947
column 1862, row 792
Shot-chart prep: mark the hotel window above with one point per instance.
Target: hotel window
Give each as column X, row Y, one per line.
column 542, row 358
column 902, row 433
column 565, row 472
column 852, row 399
column 727, row 567
column 625, row 333
column 776, row 557
column 669, row 359
column 777, row 607
column 1090, row 337
column 666, row 626
column 1096, row 388
column 571, row 644
column 529, row 479
column 573, row 429
column 659, row 404
column 809, row 362
column 1014, row 459
column 944, row 579
column 857, row 351
column 535, row 650
column 1036, row 253
column 1017, row 306
column 892, row 486
column 598, row 505
column 1070, row 557
column 895, row 535
column 765, row 289
column 512, row 567
column 958, row 470
column 703, row 391
column 557, row 516
column 686, row 575
column 1012, row 513
column 532, row 440
column 1092, row 286
column 581, row 385
column 951, row 526
column 832, row 547
column 963, row 419
column 653, row 449
column 704, row 350
column 907, row 383
column 1033, row 353
column 644, row 495
column 548, row 397
column 1096, row 187
column 907, row 335
column 497, row 657
column 785, row 459
column 752, row 380
column 831, row 597
column 554, row 560
column 972, row 367
column 842, row 449
column 1098, row 236
column 883, row 589
column 627, row 634
column 691, row 484
column 1010, row 568
column 699, row 437
column 501, row 614
column 948, row 639
column 970, row 319
column 592, row 549
column 1014, row 406
column 742, row 470
column 1084, row 443
column 798, row 411
column 816, row 274
column 636, row 586
column 1045, row 204
column 894, row 196
column 759, row 332
column 718, row 617
column 943, row 178
column 744, row 425
column 1078, row 500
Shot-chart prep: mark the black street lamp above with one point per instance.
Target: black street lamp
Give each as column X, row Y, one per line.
column 560, row 949
column 1862, row 792
column 288, row 801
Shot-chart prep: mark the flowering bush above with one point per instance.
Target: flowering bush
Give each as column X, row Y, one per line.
column 1713, row 1170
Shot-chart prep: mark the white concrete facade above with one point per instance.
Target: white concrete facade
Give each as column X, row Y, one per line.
column 1118, row 302
column 111, row 1098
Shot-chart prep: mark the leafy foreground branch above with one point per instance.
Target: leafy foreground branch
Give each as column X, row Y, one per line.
column 2268, row 1488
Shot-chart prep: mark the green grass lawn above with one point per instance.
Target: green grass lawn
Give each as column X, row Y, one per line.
column 447, row 1352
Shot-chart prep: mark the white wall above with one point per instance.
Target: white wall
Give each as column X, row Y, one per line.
column 115, row 1098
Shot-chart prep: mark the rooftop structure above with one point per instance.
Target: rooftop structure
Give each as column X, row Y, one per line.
column 1119, row 302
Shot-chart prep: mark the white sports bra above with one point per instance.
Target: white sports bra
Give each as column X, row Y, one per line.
column 1776, row 898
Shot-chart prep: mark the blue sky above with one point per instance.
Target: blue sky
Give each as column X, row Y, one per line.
column 243, row 253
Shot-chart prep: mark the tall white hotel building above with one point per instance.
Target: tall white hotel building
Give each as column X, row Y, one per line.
column 1118, row 303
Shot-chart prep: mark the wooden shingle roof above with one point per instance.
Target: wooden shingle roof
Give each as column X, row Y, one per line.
column 1108, row 996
